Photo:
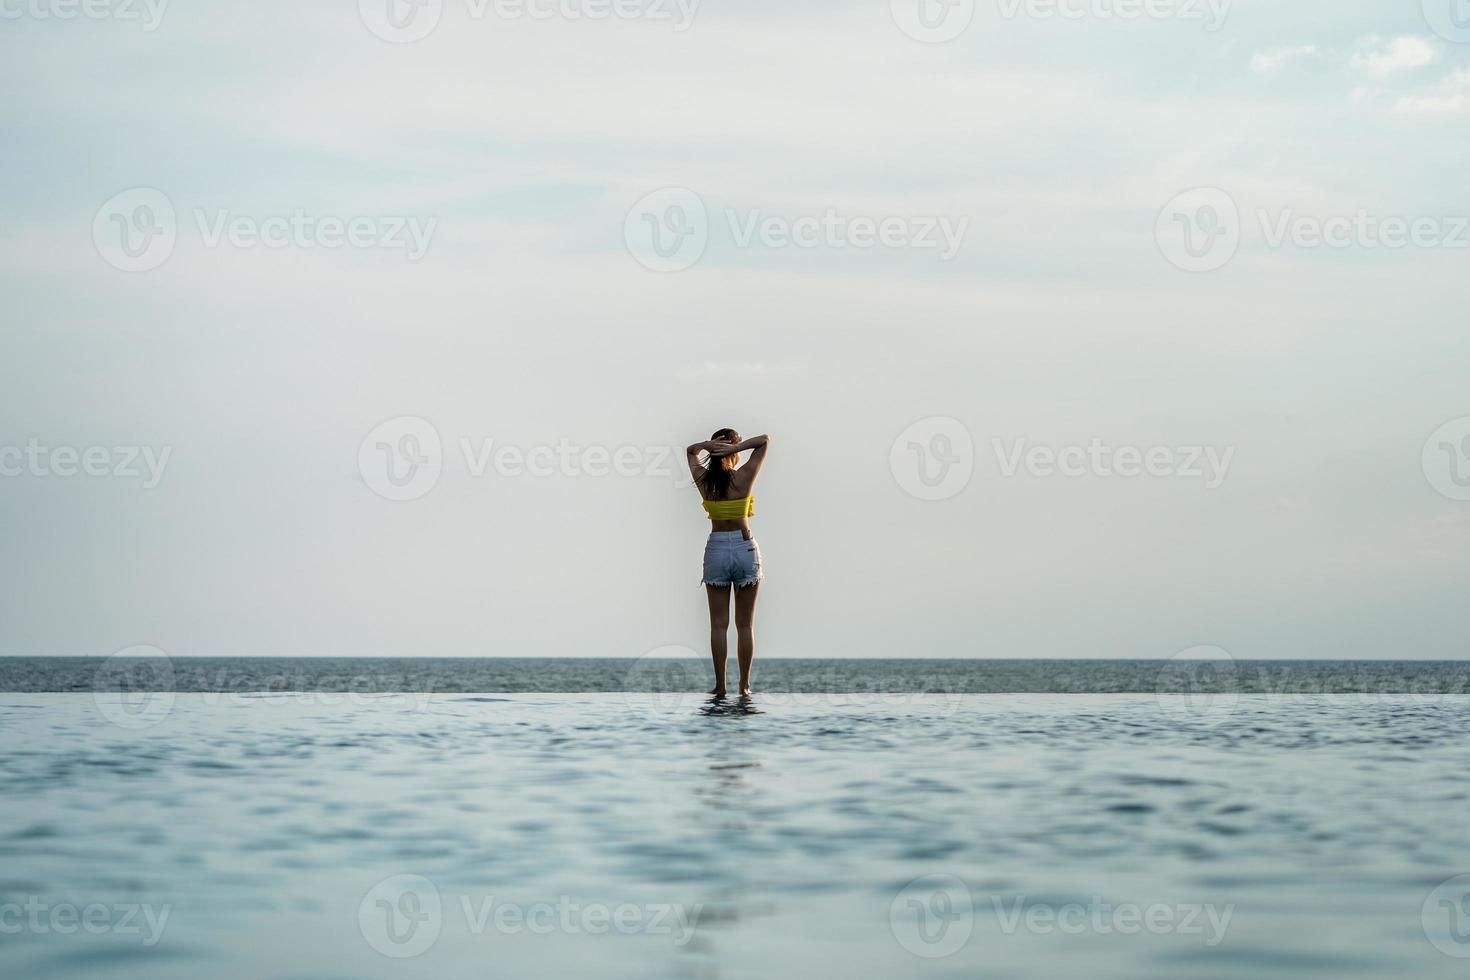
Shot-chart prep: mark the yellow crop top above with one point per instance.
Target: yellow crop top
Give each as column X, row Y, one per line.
column 730, row 510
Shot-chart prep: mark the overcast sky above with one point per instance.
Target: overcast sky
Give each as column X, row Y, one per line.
column 912, row 261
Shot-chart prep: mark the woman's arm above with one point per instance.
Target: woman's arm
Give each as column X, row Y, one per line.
column 691, row 456
column 758, row 444
column 718, row 449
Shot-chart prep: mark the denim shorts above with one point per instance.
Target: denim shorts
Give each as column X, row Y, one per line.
column 731, row 559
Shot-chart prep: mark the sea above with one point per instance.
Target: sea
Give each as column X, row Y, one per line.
column 324, row 818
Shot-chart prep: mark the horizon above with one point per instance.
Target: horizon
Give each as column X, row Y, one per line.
column 695, row 655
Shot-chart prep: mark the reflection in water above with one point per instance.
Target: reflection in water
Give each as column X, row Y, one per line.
column 726, row 778
column 743, row 705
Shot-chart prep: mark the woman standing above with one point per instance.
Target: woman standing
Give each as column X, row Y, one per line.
column 732, row 559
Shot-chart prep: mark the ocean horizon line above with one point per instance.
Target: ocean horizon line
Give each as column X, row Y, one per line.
column 765, row 658
column 790, row 675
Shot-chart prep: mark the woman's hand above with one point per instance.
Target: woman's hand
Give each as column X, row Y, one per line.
column 754, row 442
column 717, row 449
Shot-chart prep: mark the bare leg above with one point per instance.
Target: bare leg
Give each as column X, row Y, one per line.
column 719, row 629
column 745, row 633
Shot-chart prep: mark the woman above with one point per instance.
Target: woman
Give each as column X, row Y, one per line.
column 731, row 556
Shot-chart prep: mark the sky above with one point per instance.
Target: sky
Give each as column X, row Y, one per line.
column 1091, row 329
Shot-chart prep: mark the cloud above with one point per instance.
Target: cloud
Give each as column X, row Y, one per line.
column 1450, row 96
column 531, row 140
column 1269, row 61
column 1401, row 54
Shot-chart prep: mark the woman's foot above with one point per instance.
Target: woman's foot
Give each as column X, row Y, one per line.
column 745, row 690
column 717, row 692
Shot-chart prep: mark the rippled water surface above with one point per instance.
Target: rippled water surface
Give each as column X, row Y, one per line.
column 803, row 675
column 303, row 836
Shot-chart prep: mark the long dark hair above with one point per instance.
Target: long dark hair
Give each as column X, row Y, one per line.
column 717, row 470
